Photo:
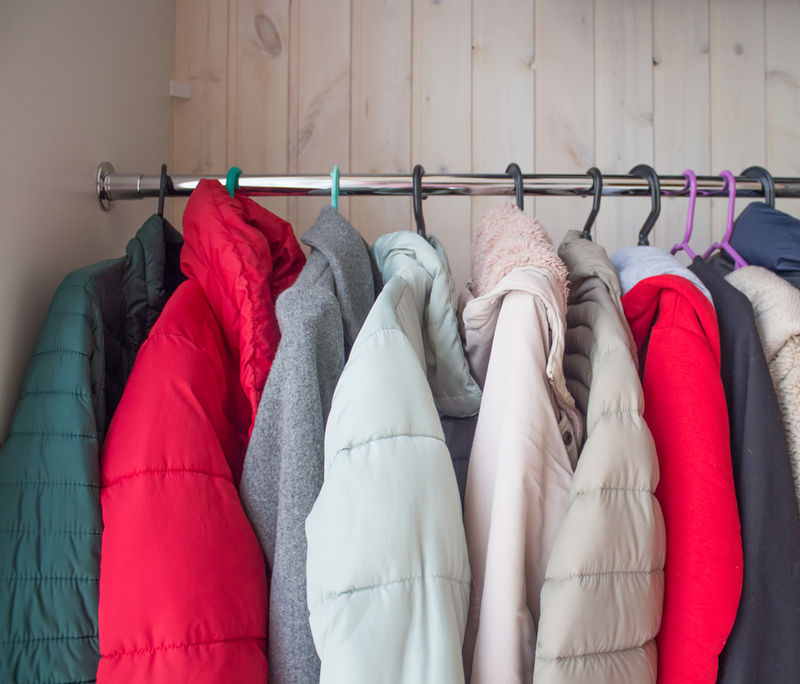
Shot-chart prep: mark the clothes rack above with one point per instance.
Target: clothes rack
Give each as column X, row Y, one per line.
column 112, row 186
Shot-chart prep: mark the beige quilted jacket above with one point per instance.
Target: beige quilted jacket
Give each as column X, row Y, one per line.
column 604, row 585
column 777, row 306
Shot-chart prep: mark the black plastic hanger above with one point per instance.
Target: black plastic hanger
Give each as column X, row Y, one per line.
column 162, row 190
column 416, row 186
column 649, row 174
column 767, row 183
column 597, row 191
column 515, row 172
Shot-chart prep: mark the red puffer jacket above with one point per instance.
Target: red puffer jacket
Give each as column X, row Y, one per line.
column 677, row 335
column 183, row 595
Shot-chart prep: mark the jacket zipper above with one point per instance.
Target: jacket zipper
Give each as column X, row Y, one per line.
column 574, row 416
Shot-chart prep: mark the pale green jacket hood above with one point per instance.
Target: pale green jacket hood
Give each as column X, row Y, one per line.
column 388, row 573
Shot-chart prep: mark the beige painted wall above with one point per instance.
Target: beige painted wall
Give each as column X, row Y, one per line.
column 296, row 86
column 80, row 82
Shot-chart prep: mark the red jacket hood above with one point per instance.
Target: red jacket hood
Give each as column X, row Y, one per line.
column 243, row 257
column 666, row 300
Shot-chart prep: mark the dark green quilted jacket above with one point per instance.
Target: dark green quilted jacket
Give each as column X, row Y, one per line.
column 50, row 520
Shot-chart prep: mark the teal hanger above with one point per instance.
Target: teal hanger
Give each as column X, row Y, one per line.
column 232, row 181
column 335, row 187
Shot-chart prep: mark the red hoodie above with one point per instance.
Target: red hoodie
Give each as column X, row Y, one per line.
column 676, row 332
column 183, row 595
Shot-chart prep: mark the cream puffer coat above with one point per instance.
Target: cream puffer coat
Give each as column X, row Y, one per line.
column 388, row 571
column 776, row 303
column 526, row 438
column 604, row 587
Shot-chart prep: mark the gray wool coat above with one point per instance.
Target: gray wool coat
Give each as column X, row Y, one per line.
column 319, row 318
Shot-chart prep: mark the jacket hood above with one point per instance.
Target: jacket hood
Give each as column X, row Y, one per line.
column 507, row 238
column 589, row 266
column 454, row 390
column 776, row 303
column 511, row 252
column 766, row 237
column 642, row 309
column 243, row 257
column 634, row 264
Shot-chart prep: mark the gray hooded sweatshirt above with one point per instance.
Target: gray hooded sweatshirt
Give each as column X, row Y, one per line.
column 635, row 264
column 319, row 318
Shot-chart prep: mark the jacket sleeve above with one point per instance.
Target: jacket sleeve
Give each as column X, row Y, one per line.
column 687, row 414
column 388, row 574
column 517, row 493
column 283, row 471
column 50, row 522
column 604, row 586
column 182, row 578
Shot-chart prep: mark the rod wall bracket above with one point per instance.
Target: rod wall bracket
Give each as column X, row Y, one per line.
column 102, row 171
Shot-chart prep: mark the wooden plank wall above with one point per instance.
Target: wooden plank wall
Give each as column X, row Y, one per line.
column 557, row 86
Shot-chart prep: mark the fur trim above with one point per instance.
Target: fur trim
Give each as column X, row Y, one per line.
column 506, row 238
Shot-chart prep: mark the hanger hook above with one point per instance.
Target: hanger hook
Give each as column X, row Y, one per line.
column 162, row 190
column 649, row 174
column 515, row 172
column 767, row 183
column 416, row 185
column 232, row 179
column 691, row 185
column 335, row 178
column 597, row 191
column 730, row 186
column 725, row 245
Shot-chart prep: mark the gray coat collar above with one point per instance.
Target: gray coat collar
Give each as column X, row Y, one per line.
column 346, row 253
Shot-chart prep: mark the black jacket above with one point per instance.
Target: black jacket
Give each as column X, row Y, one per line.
column 763, row 645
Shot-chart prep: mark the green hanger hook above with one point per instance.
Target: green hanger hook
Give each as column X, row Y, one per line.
column 232, row 181
column 335, row 187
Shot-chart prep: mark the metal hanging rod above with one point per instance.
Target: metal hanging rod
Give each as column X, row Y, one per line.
column 112, row 186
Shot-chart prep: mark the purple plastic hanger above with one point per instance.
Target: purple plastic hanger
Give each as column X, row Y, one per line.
column 691, row 178
column 730, row 184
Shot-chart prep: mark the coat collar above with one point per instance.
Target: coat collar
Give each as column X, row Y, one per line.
column 422, row 263
column 776, row 303
column 588, row 266
column 512, row 253
column 243, row 257
column 347, row 256
column 668, row 301
column 506, row 238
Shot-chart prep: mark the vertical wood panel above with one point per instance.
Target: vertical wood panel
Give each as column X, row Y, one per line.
column 738, row 107
column 298, row 85
column 293, row 105
column 233, row 69
column 320, row 134
column 502, row 90
column 624, row 109
column 261, row 91
column 441, row 117
column 783, row 93
column 682, row 116
column 201, row 59
column 381, row 110
column 564, row 105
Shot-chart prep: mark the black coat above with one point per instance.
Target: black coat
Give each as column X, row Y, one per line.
column 763, row 645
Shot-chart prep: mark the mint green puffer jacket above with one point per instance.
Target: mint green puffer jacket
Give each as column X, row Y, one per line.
column 388, row 571
column 50, row 520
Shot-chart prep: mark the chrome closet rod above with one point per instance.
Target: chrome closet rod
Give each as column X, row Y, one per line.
column 112, row 186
